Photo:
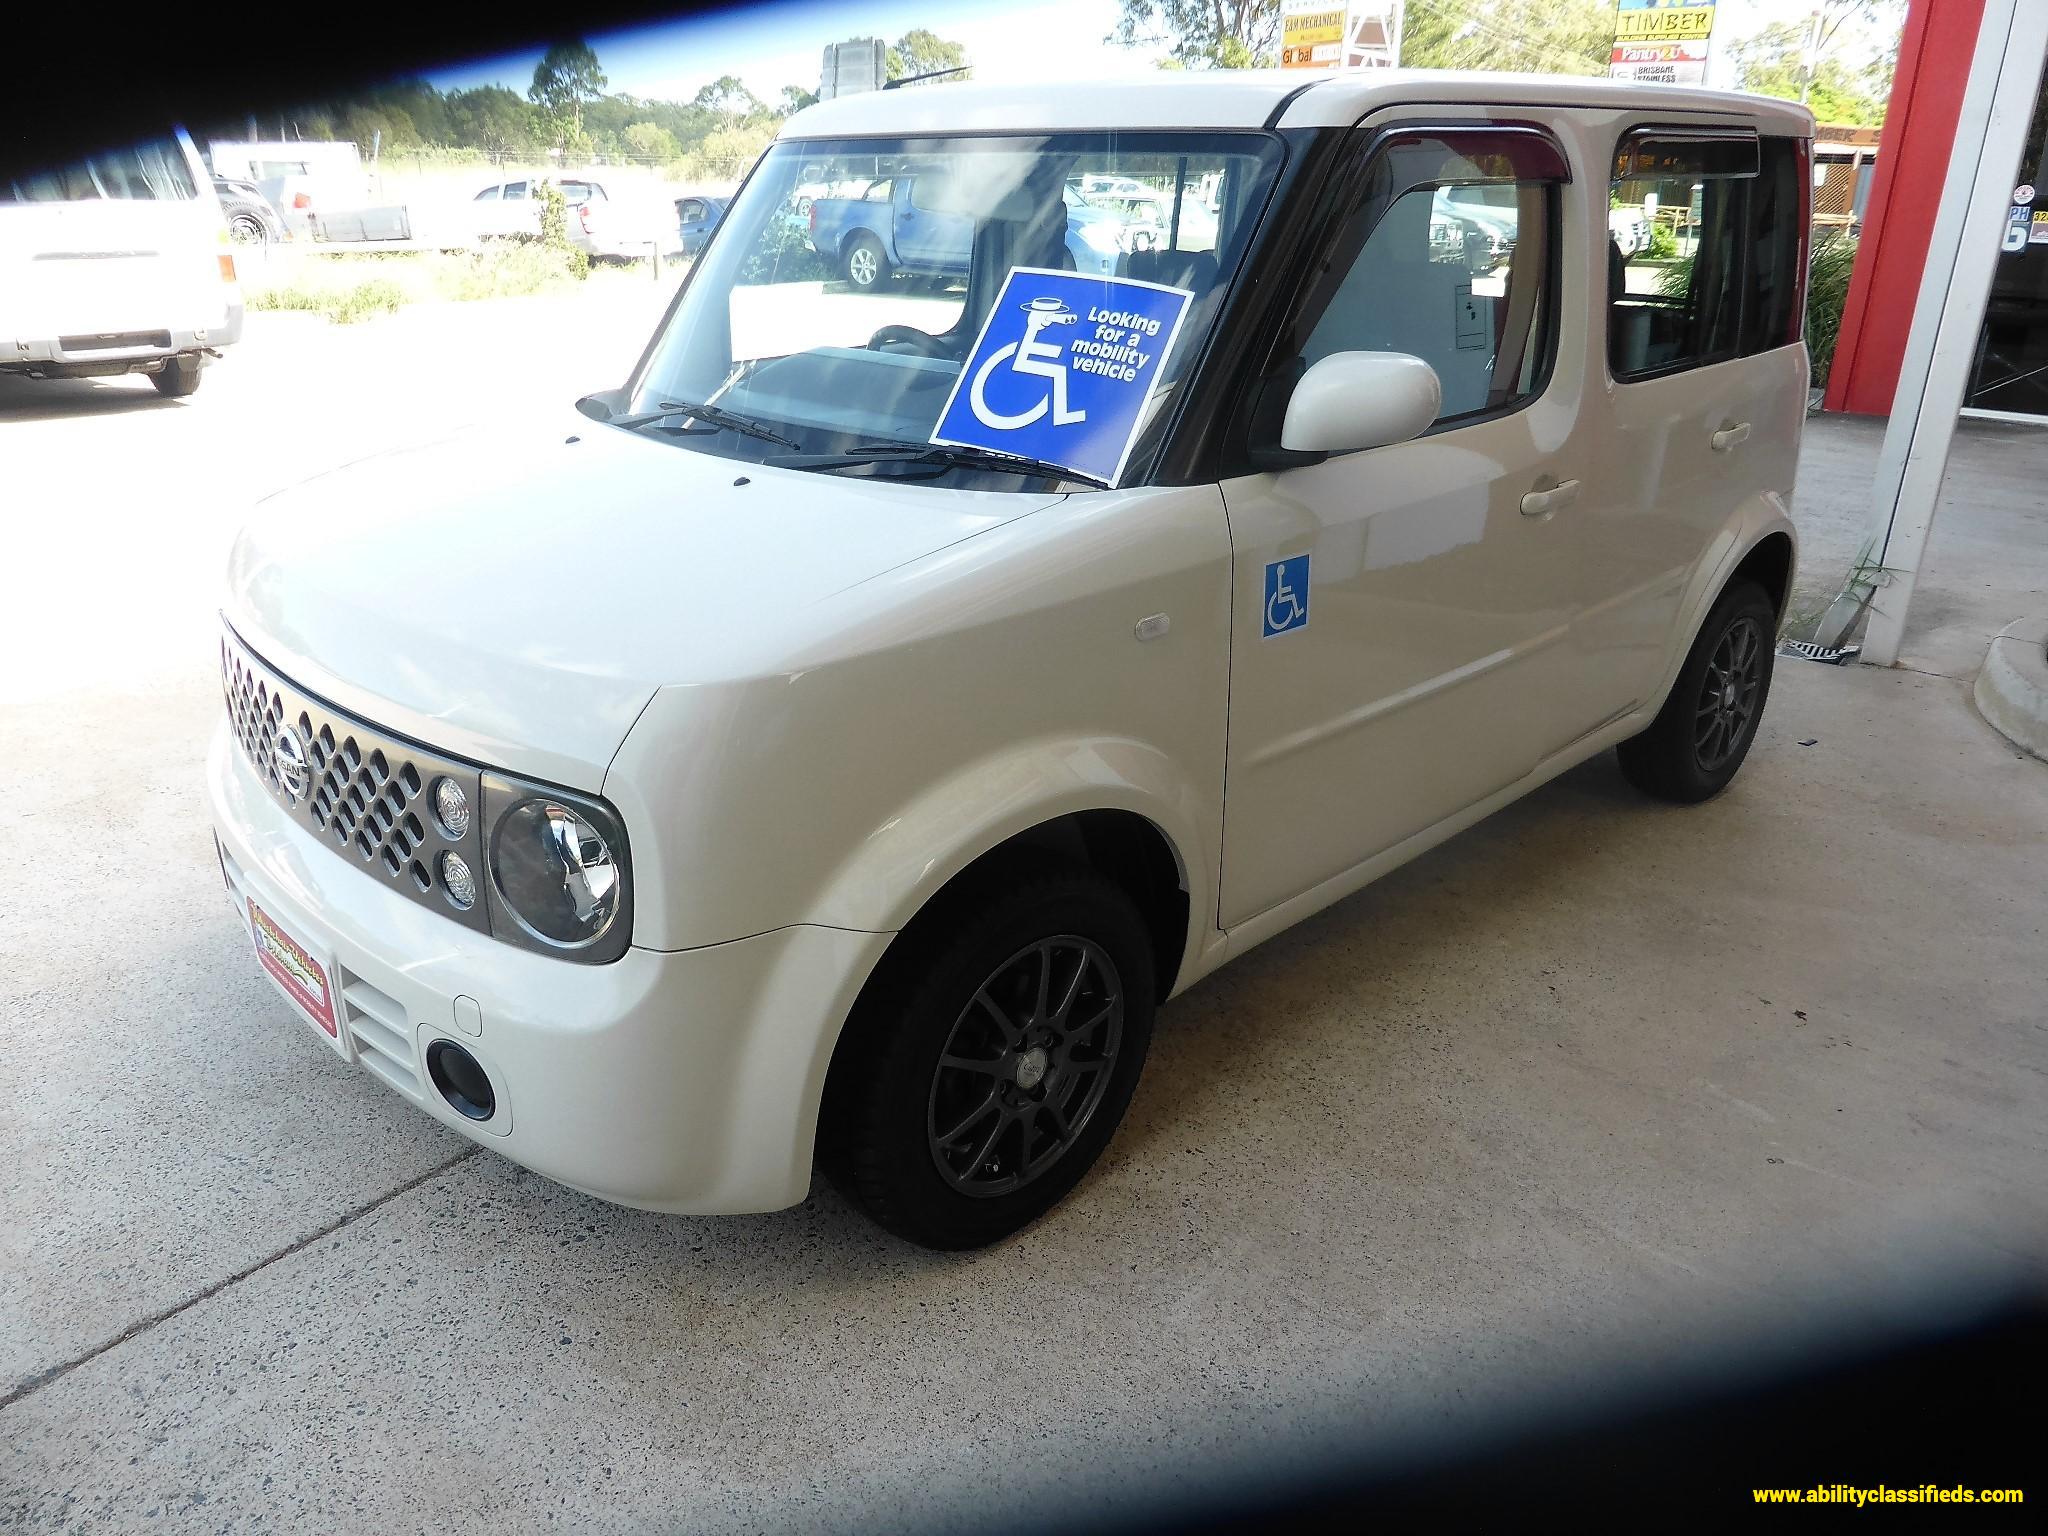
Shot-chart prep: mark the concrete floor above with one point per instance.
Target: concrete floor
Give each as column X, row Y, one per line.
column 1596, row 1082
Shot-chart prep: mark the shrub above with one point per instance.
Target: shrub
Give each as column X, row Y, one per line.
column 1827, row 290
column 1663, row 243
column 343, row 303
column 784, row 255
column 554, row 231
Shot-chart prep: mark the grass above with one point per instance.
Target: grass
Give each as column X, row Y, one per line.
column 355, row 286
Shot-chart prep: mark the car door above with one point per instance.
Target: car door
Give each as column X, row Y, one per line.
column 927, row 238
column 1402, row 616
column 1697, row 424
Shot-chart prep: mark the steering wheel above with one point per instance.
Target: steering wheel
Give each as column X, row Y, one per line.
column 921, row 342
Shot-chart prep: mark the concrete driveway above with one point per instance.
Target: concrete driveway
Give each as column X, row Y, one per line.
column 1597, row 1082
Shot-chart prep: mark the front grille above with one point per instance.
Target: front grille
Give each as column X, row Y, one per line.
column 361, row 791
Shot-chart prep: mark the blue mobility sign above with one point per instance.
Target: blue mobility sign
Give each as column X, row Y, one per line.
column 1286, row 597
column 1063, row 368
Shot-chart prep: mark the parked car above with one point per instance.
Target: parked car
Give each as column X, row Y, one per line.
column 696, row 217
column 1629, row 230
column 250, row 218
column 907, row 224
column 117, row 264
column 596, row 225
column 964, row 675
column 1147, row 213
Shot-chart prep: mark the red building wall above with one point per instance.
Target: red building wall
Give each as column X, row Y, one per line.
column 1919, row 132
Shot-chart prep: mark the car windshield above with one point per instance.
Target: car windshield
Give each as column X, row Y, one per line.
column 847, row 287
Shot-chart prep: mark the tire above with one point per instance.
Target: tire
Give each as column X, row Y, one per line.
column 179, row 376
column 921, row 1144
column 245, row 225
column 1704, row 731
column 867, row 265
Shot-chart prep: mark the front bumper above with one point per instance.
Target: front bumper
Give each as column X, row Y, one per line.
column 684, row 1081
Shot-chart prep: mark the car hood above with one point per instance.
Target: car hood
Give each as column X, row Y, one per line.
column 517, row 595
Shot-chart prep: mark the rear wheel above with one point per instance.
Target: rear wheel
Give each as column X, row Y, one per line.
column 179, row 375
column 1704, row 731
column 988, row 1069
column 867, row 266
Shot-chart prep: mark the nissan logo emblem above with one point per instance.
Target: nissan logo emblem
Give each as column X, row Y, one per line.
column 294, row 775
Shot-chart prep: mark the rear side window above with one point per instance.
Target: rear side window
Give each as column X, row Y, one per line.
column 515, row 191
column 152, row 172
column 1775, row 294
column 1678, row 228
column 879, row 192
column 1458, row 266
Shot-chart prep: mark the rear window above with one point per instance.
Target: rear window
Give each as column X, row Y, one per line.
column 152, row 172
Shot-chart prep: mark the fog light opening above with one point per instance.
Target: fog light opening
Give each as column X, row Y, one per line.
column 461, row 1080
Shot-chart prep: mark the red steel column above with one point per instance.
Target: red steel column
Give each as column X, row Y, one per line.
column 1919, row 133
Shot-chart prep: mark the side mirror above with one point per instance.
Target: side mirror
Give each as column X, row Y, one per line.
column 603, row 405
column 1354, row 400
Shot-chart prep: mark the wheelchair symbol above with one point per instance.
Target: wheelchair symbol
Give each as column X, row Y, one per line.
column 1286, row 596
column 1034, row 357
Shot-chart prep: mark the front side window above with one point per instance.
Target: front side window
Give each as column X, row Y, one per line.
column 840, row 322
column 1678, row 211
column 488, row 195
column 1455, row 266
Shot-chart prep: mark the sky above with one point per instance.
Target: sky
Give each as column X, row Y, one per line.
column 780, row 43
column 777, row 44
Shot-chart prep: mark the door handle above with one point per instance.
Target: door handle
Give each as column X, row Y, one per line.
column 1563, row 494
column 1728, row 437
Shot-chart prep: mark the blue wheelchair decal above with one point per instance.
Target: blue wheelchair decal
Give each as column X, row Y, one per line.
column 1286, row 597
column 1063, row 368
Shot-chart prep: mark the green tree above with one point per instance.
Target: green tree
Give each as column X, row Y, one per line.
column 729, row 102
column 650, row 143
column 565, row 81
column 1843, row 72
column 384, row 127
column 921, row 52
column 1550, row 37
column 795, row 98
column 492, row 119
column 1218, row 34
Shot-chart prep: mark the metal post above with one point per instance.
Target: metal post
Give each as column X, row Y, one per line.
column 1998, row 104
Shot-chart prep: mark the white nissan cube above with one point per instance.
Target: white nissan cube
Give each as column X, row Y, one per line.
column 832, row 746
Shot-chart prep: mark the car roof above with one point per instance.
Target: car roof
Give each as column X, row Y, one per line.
column 1254, row 98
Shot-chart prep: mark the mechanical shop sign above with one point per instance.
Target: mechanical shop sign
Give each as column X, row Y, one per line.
column 1311, row 34
column 1662, row 42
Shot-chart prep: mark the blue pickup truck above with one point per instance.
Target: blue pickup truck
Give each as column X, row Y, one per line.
column 886, row 230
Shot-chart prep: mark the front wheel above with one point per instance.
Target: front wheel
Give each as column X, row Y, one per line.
column 1705, row 729
column 990, row 1065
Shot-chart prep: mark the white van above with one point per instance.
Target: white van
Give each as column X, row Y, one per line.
column 118, row 264
column 837, row 741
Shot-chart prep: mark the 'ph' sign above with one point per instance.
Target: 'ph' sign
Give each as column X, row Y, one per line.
column 1063, row 368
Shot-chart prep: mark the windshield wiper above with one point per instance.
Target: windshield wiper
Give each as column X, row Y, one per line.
column 942, row 454
column 715, row 415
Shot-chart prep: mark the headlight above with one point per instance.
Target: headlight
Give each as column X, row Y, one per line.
column 558, row 877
